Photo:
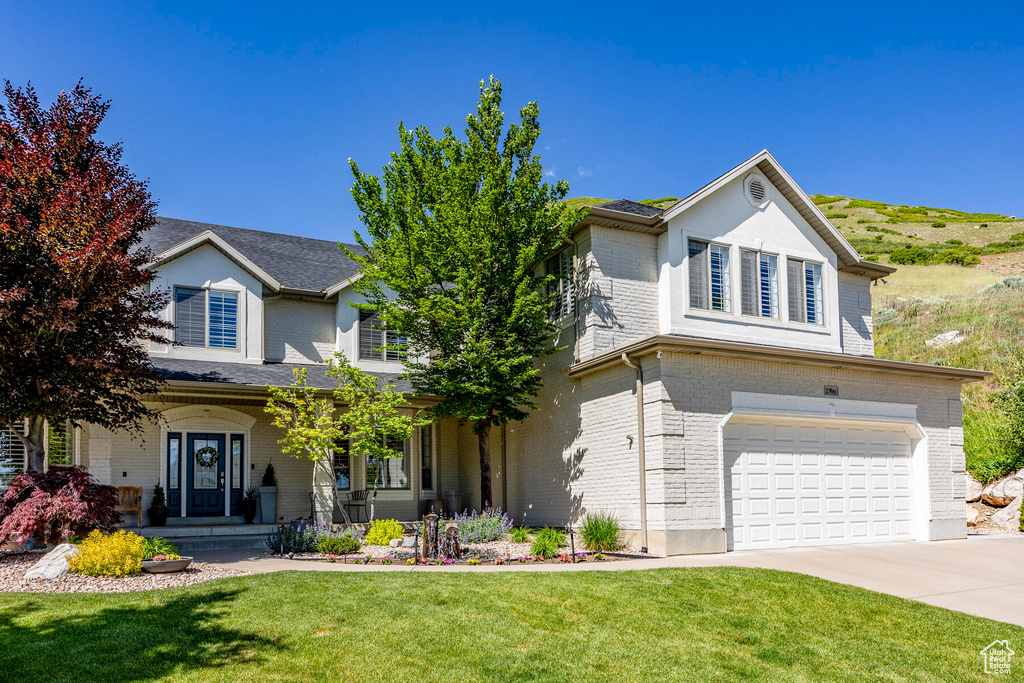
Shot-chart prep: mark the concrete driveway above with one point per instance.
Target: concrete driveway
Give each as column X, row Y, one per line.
column 980, row 575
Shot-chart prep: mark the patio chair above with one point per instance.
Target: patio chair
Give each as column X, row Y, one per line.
column 129, row 499
column 357, row 501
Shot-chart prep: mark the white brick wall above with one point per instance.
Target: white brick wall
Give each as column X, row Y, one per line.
column 855, row 311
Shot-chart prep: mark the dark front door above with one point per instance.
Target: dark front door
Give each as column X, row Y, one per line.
column 205, row 481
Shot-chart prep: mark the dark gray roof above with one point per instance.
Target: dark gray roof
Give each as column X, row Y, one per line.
column 629, row 206
column 295, row 262
column 255, row 374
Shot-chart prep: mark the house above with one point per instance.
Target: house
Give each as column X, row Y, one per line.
column 718, row 389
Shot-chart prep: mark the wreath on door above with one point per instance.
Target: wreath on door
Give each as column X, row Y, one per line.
column 207, row 456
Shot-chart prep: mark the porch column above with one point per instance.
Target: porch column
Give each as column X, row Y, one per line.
column 323, row 498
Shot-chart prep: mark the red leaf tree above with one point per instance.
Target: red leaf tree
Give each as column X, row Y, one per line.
column 76, row 308
column 55, row 505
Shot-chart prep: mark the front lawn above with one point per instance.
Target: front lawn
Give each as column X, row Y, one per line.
column 698, row 624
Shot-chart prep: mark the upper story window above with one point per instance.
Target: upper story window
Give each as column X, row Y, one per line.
column 710, row 283
column 376, row 342
column 206, row 318
column 563, row 294
column 760, row 284
column 805, row 292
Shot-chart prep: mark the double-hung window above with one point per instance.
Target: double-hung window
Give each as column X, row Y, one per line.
column 806, row 304
column 12, row 455
column 59, row 444
column 760, row 284
column 205, row 318
column 563, row 295
column 389, row 473
column 376, row 342
column 710, row 284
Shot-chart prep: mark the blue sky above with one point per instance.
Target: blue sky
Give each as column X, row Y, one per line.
column 245, row 114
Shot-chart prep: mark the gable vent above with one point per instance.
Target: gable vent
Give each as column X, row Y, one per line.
column 757, row 191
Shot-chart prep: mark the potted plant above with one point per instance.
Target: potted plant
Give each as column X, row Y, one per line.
column 268, row 496
column 250, row 497
column 158, row 508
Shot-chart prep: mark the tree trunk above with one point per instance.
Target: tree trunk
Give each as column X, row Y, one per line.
column 35, row 444
column 483, row 432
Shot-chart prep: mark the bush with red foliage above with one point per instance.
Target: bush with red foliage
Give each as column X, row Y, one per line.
column 64, row 501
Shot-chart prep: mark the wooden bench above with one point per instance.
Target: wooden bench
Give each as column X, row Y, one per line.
column 129, row 499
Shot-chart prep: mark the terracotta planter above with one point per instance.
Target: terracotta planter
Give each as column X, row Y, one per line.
column 166, row 566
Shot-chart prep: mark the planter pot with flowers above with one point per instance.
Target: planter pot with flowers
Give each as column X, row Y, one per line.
column 166, row 564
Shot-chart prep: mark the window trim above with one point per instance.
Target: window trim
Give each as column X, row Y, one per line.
column 238, row 294
column 804, row 262
column 759, row 293
column 726, row 282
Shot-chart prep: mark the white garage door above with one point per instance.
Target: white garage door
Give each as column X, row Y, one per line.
column 791, row 483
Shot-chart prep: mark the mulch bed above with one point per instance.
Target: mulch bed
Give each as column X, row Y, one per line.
column 13, row 566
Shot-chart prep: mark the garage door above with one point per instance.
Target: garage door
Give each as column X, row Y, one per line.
column 791, row 483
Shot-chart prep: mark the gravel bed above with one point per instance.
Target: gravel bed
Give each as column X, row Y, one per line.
column 13, row 566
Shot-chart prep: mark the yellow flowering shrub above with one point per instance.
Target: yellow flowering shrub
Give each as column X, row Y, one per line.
column 117, row 554
column 382, row 531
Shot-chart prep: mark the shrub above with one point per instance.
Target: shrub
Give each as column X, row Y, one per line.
column 63, row 502
column 960, row 257
column 383, row 531
column 489, row 526
column 159, row 500
column 600, row 531
column 342, row 544
column 910, row 256
column 836, row 215
column 519, row 534
column 938, row 224
column 118, row 554
column 547, row 542
column 157, row 546
column 269, row 476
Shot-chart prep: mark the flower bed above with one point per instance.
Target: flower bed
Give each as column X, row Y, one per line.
column 495, row 553
column 13, row 566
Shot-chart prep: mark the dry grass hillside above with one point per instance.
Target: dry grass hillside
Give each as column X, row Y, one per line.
column 957, row 271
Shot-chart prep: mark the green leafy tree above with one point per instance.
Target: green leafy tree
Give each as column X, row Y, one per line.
column 312, row 425
column 457, row 229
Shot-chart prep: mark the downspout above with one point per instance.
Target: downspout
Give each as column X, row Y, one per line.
column 641, row 452
column 504, row 472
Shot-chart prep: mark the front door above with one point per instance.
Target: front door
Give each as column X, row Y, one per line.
column 205, row 480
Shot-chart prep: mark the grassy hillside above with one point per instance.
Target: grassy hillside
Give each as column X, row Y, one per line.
column 932, row 293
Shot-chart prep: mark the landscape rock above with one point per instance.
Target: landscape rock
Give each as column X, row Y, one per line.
column 974, row 516
column 974, row 489
column 950, row 338
column 1002, row 492
column 53, row 564
column 408, row 541
column 395, row 542
column 1009, row 516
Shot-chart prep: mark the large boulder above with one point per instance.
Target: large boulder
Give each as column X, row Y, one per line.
column 974, row 489
column 950, row 338
column 54, row 564
column 1009, row 517
column 1001, row 493
column 974, row 517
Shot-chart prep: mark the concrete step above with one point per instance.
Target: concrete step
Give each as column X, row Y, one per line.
column 204, row 521
column 212, row 537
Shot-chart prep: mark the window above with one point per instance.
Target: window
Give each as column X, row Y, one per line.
column 562, row 290
column 173, row 461
column 236, row 460
column 342, row 473
column 760, row 284
column 805, row 292
column 223, row 320
column 376, row 342
column 710, row 284
column 12, row 456
column 191, row 315
column 426, row 458
column 60, row 440
column 391, row 473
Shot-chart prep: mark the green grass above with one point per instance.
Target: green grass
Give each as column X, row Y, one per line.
column 698, row 624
